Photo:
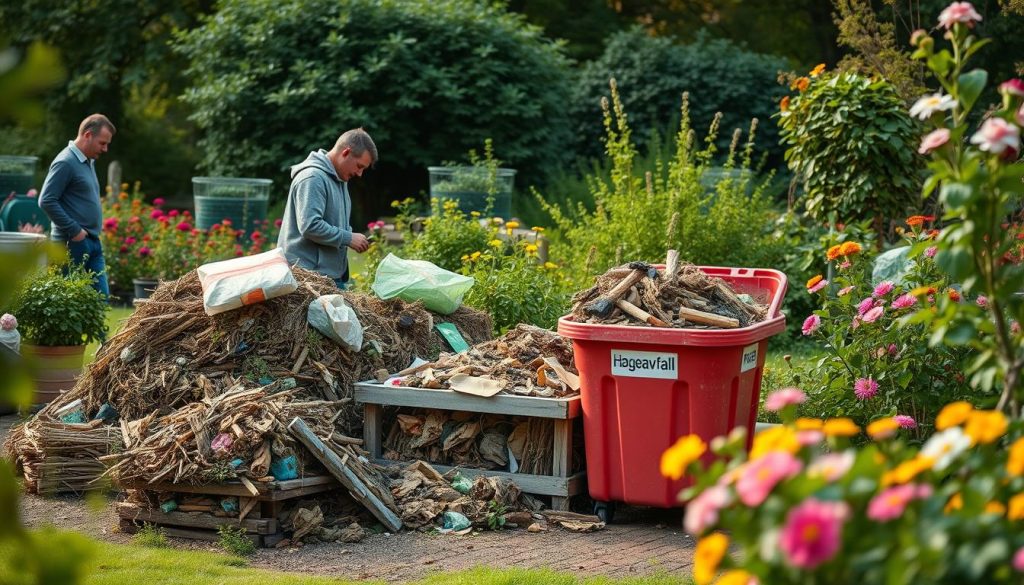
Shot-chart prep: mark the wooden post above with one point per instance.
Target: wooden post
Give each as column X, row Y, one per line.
column 562, row 458
column 114, row 178
column 373, row 422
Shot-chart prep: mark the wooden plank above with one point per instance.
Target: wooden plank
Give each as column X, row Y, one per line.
column 373, row 393
column 282, row 495
column 247, row 505
column 345, row 475
column 267, row 491
column 373, row 429
column 544, row 485
column 131, row 511
column 290, row 484
column 561, row 454
column 249, row 486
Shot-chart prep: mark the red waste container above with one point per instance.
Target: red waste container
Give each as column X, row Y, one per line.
column 643, row 387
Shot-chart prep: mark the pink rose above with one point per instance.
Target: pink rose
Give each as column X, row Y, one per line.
column 873, row 315
column 982, row 301
column 905, row 421
column 933, row 140
column 1012, row 87
column 8, row 322
column 959, row 12
column 811, row 324
column 997, row 135
column 780, row 399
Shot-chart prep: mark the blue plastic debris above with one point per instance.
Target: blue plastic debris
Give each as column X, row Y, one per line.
column 284, row 468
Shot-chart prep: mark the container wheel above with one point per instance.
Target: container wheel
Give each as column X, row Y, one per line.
column 605, row 511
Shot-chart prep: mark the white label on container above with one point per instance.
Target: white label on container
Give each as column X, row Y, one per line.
column 749, row 359
column 645, row 364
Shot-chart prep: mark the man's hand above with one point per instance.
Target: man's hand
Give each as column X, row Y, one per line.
column 81, row 236
column 359, row 243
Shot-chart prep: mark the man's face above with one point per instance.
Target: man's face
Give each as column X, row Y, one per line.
column 96, row 144
column 352, row 165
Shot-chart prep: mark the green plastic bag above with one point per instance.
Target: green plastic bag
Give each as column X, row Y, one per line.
column 418, row 280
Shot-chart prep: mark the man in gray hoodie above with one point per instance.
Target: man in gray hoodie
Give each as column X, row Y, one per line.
column 316, row 229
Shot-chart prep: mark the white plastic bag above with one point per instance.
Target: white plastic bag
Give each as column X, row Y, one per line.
column 330, row 315
column 232, row 284
column 418, row 280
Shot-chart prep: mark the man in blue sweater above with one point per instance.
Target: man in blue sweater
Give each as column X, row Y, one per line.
column 70, row 197
column 316, row 231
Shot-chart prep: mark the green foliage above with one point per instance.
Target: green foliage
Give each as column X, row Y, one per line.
column 151, row 535
column 712, row 215
column 851, row 143
column 234, row 541
column 979, row 184
column 720, row 76
column 876, row 50
column 59, row 306
column 496, row 515
column 428, row 79
column 448, row 234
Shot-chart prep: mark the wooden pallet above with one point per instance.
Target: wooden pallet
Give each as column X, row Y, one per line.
column 258, row 516
column 560, row 485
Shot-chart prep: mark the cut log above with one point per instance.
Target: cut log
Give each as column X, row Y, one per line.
column 638, row 313
column 708, row 318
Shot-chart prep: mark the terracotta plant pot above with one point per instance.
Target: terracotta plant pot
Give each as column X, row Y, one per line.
column 56, row 369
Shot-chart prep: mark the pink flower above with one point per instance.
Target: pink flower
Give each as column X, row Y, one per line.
column 846, row 264
column 821, row 284
column 885, row 287
column 156, row 214
column 158, row 201
column 845, row 291
column 780, row 399
column 812, row 532
column 893, row 350
column 996, row 135
column 173, row 213
column 761, row 475
column 865, row 306
column 905, row 421
column 32, row 193
column 930, row 252
column 184, row 227
column 811, row 324
column 808, row 438
column 1015, row 328
column 1018, row 560
column 277, row 222
column 982, row 301
column 959, row 12
column 144, row 251
column 933, row 140
column 1019, row 116
column 831, row 467
column 1014, row 87
column 904, row 301
column 702, row 511
column 873, row 315
column 110, row 223
column 865, row 388
column 8, row 322
column 130, row 240
column 133, row 219
column 891, row 503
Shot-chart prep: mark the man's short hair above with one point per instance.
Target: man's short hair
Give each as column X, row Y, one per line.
column 94, row 123
column 359, row 141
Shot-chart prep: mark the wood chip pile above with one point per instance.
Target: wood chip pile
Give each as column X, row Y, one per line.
column 526, row 361
column 683, row 298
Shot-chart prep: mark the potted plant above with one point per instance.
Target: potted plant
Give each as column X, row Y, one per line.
column 59, row 313
column 483, row 186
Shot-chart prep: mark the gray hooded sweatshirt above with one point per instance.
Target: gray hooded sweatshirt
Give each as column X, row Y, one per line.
column 315, row 229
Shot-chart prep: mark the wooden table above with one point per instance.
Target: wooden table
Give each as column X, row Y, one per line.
column 560, row 485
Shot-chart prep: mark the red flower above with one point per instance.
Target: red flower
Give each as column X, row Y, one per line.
column 184, row 227
column 130, row 240
column 110, row 223
column 173, row 213
column 156, row 214
column 124, row 249
column 256, row 236
column 158, row 201
column 916, row 220
column 277, row 222
column 144, row 251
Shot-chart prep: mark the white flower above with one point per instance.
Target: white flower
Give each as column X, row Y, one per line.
column 959, row 12
column 946, row 446
column 996, row 135
column 929, row 104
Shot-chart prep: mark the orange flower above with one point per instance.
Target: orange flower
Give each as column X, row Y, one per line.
column 916, row 220
column 814, row 281
column 833, row 252
column 849, row 248
column 818, row 70
column 784, row 104
column 801, row 84
column 954, row 295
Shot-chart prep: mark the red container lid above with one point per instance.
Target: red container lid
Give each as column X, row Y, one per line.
column 764, row 284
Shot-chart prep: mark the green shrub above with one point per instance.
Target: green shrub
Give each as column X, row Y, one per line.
column 427, row 79
column 234, row 541
column 59, row 307
column 448, row 234
column 151, row 535
column 639, row 218
column 852, row 144
column 653, row 72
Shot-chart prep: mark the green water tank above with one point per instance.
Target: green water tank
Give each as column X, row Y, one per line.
column 242, row 200
column 20, row 210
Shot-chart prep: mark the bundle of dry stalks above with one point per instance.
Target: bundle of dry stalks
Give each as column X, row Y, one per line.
column 60, row 457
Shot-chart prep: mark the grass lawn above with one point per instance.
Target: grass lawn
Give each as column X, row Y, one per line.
column 117, row 564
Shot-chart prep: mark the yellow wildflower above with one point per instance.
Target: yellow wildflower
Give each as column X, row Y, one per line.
column 465, row 257
column 710, row 551
column 550, row 265
column 676, row 458
column 818, row 70
column 809, row 424
column 839, row 427
column 953, row 414
column 985, row 426
column 1015, row 461
column 735, row 577
column 907, row 471
column 474, row 213
column 497, row 220
column 395, row 203
column 124, row 186
column 531, row 248
column 474, row 255
column 955, row 503
column 512, row 225
column 1016, row 508
column 996, row 508
column 883, row 428
column 780, row 438
column 495, row 243
column 537, row 228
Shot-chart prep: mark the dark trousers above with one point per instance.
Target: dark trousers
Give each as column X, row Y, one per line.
column 89, row 253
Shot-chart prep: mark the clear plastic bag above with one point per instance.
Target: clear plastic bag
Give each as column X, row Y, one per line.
column 330, row 315
column 417, row 280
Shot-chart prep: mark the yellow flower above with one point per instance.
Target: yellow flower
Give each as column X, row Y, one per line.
column 497, row 220
column 809, row 424
column 955, row 503
column 710, row 551
column 531, row 248
column 735, row 577
column 474, row 255
column 814, row 280
column 124, row 186
column 109, row 189
column 839, row 427
column 780, row 438
column 676, row 458
column 908, row 470
column 395, row 203
column 883, row 428
column 465, row 257
column 1016, row 511
column 537, row 228
column 985, row 426
column 818, row 70
column 849, row 248
column 995, row 508
column 495, row 243
column 550, row 265
column 953, row 414
column 512, row 224
column 474, row 213
column 1015, row 461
